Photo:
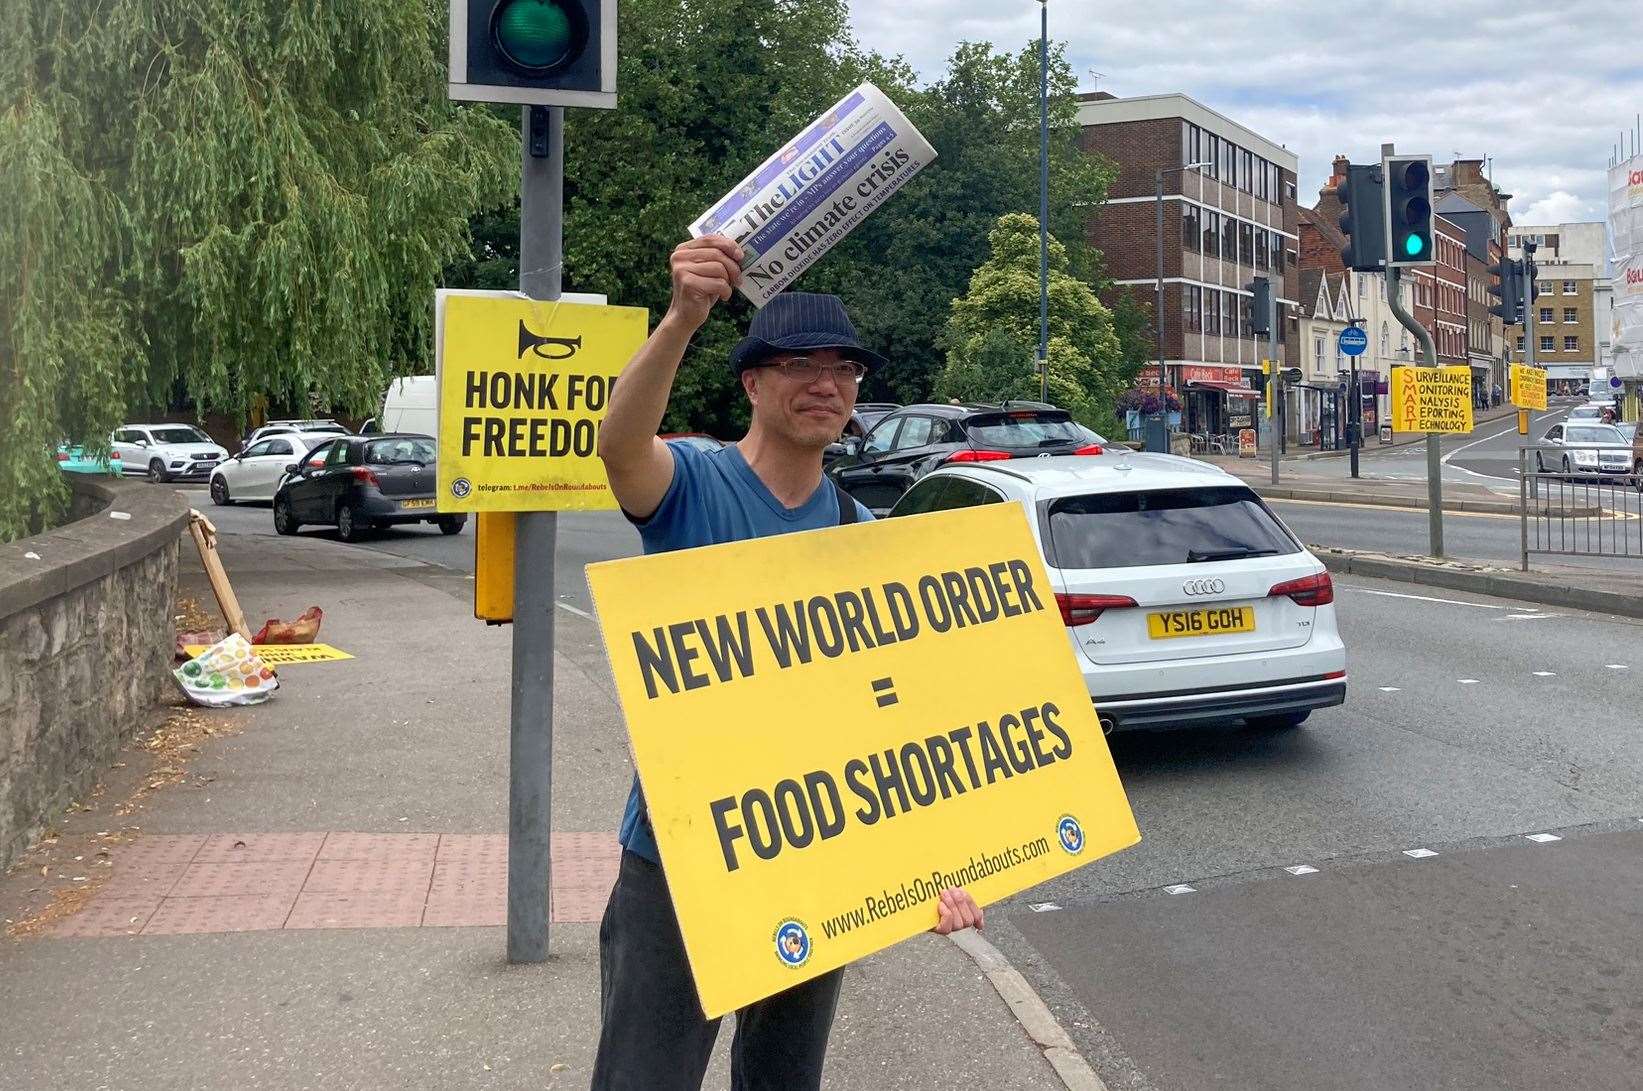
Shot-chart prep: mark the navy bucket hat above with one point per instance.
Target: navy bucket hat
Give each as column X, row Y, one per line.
column 801, row 320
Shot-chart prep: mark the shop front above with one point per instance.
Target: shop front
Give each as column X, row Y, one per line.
column 1218, row 404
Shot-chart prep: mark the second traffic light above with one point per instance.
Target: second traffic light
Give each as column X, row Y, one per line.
column 540, row 52
column 1408, row 184
column 1363, row 221
column 1509, row 291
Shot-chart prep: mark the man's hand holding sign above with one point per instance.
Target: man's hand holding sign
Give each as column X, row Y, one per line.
column 844, row 737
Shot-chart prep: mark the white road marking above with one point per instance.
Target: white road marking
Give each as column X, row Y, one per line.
column 579, row 613
column 1389, row 689
column 1526, row 617
column 1467, row 681
column 1302, row 869
column 1420, row 598
column 1419, row 854
column 1043, row 907
column 1545, row 674
column 1542, row 837
column 1180, row 888
column 1617, row 666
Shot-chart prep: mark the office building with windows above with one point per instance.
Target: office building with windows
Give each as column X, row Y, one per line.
column 1229, row 216
column 1578, row 253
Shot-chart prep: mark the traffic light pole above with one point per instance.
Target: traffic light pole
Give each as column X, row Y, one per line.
column 530, row 721
column 1434, row 452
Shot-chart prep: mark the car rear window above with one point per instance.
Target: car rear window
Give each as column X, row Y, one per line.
column 383, row 451
column 1164, row 526
column 1024, row 430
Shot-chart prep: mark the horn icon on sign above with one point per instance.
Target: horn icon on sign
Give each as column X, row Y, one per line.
column 549, row 348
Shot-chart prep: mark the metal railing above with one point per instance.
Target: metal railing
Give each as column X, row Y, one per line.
column 1580, row 502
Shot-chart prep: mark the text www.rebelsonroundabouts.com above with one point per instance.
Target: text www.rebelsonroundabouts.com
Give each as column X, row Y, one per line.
column 927, row 888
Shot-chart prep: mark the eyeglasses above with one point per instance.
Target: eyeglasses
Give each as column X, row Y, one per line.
column 807, row 369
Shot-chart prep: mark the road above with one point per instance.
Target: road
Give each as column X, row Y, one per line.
column 1470, row 723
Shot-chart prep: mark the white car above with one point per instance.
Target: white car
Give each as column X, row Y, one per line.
column 1187, row 600
column 166, row 452
column 256, row 472
column 287, row 427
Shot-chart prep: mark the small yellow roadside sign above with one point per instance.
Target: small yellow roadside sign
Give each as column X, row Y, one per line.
column 279, row 655
column 523, row 387
column 1432, row 399
column 834, row 726
column 1528, row 386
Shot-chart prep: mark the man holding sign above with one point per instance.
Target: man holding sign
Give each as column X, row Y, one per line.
column 799, row 366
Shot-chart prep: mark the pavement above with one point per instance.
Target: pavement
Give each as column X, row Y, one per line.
column 307, row 893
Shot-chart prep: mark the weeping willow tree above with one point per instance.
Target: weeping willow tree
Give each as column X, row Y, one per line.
column 222, row 201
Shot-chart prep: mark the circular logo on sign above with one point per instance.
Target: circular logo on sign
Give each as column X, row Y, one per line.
column 461, row 487
column 792, row 943
column 1070, row 834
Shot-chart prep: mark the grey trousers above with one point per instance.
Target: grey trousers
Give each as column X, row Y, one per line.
column 654, row 1036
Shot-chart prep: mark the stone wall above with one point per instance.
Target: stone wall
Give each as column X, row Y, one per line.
column 86, row 642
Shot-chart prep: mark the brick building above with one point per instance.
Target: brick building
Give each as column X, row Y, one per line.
column 1227, row 221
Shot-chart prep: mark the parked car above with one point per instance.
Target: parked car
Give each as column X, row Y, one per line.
column 360, row 483
column 166, row 452
column 1186, row 599
column 1589, row 411
column 700, row 440
column 256, row 472
column 910, row 442
column 325, row 426
column 72, row 458
column 1582, row 447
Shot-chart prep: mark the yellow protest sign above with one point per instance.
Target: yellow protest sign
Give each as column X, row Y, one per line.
column 1432, row 399
column 1528, row 386
column 834, row 726
column 523, row 387
column 279, row 655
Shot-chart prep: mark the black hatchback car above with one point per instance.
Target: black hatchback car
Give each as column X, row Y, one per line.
column 359, row 483
column 912, row 441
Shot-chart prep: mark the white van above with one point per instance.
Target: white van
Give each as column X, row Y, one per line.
column 410, row 405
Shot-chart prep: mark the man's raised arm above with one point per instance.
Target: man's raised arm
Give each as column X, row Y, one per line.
column 639, row 465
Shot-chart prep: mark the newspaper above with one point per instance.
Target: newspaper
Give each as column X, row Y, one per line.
column 810, row 194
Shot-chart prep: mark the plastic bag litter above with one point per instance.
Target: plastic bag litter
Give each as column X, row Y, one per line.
column 225, row 674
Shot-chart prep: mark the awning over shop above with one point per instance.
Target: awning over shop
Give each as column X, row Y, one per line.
column 1231, row 390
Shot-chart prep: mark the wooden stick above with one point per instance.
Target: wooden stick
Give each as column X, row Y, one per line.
column 205, row 539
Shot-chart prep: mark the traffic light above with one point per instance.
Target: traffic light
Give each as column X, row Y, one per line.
column 1363, row 221
column 541, row 52
column 1531, row 287
column 1408, row 210
column 1509, row 291
column 1260, row 304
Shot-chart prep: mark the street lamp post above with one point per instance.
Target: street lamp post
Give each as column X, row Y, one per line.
column 1158, row 427
column 1044, row 200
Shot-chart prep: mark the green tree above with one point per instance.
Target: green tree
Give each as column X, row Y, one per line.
column 254, row 197
column 992, row 335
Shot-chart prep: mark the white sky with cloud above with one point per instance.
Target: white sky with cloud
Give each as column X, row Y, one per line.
column 1292, row 71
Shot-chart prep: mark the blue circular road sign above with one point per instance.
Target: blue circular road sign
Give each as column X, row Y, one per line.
column 1354, row 341
column 1614, row 382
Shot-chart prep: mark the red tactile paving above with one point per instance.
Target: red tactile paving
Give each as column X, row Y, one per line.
column 356, row 911
column 243, row 913
column 210, row 880
column 257, row 881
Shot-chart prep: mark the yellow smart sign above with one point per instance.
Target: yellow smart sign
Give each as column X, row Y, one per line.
column 833, row 727
column 1432, row 399
column 1528, row 386
column 523, row 388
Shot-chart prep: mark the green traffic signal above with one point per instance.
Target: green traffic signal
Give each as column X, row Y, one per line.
column 534, row 35
column 1414, row 246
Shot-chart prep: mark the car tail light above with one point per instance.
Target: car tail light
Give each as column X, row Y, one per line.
column 1091, row 449
column 1335, row 674
column 62, row 456
column 1314, row 590
column 1083, row 609
column 977, row 456
column 366, row 475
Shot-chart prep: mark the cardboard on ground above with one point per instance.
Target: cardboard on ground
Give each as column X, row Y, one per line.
column 1528, row 386
column 740, row 721
column 1432, row 399
column 523, row 388
column 280, row 655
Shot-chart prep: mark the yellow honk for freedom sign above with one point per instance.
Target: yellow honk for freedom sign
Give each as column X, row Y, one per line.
column 1432, row 399
column 523, row 388
column 834, row 726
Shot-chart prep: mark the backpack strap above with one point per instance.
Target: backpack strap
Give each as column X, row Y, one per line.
column 847, row 505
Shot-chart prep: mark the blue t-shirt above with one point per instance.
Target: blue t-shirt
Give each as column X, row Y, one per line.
column 715, row 498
